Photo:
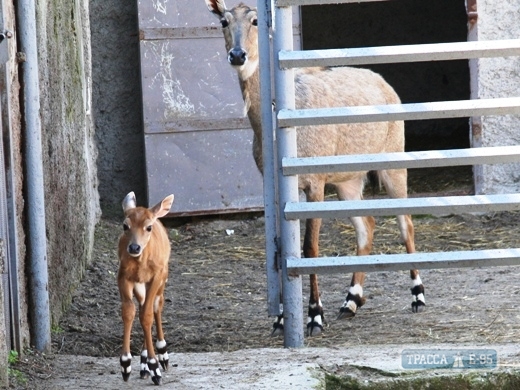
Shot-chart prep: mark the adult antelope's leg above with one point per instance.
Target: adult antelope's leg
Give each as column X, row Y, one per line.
column 315, row 317
column 128, row 315
column 395, row 182
column 314, row 193
column 311, row 249
column 162, row 352
column 364, row 228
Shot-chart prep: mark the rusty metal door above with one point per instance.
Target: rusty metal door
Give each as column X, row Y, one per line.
column 198, row 143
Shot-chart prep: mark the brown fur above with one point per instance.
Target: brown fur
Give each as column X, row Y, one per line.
column 147, row 266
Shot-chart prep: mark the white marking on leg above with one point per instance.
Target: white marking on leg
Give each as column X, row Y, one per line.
column 403, row 227
column 140, row 292
column 356, row 290
column 144, row 356
column 361, row 231
column 417, row 281
column 351, row 305
column 156, row 303
column 160, row 344
column 420, row 297
column 315, row 305
column 125, row 358
column 316, row 319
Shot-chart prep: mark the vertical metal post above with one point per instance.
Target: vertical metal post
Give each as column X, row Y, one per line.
column 37, row 246
column 288, row 185
column 269, row 159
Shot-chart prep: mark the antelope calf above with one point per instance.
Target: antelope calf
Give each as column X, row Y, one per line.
column 325, row 87
column 144, row 251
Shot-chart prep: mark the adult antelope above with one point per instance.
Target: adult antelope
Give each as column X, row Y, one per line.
column 326, row 87
column 144, row 251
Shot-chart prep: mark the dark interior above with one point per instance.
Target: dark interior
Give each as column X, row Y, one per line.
column 403, row 22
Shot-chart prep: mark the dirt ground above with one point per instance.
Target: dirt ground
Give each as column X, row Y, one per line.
column 216, row 298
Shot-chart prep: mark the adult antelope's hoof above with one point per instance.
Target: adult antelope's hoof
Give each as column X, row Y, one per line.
column 315, row 319
column 418, row 307
column 345, row 313
column 278, row 327
column 418, row 301
column 125, row 376
column 350, row 306
column 314, row 328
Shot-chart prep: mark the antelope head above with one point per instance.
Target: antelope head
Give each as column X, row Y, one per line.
column 239, row 25
column 139, row 222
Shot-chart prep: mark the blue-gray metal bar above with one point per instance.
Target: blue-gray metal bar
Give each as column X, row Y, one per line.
column 37, row 240
column 400, row 54
column 381, row 207
column 404, row 261
column 398, row 112
column 422, row 159
column 269, row 160
column 288, row 185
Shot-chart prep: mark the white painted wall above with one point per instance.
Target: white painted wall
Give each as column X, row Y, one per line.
column 497, row 77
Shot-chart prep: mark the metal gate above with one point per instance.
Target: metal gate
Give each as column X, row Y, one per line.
column 289, row 166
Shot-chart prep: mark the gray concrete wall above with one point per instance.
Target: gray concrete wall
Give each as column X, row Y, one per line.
column 69, row 152
column 117, row 102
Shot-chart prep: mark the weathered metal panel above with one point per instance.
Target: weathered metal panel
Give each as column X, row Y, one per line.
column 198, row 143
column 197, row 140
column 203, row 170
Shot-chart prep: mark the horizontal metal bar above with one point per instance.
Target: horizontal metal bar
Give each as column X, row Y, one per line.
column 396, row 112
column 285, row 3
column 381, row 207
column 395, row 262
column 400, row 53
column 422, row 159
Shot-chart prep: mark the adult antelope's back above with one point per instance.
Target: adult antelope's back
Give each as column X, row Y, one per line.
column 144, row 251
column 326, row 87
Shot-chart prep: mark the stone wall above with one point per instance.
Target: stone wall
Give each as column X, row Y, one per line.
column 69, row 152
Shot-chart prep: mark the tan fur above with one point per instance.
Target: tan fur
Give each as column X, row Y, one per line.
column 148, row 267
column 320, row 88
